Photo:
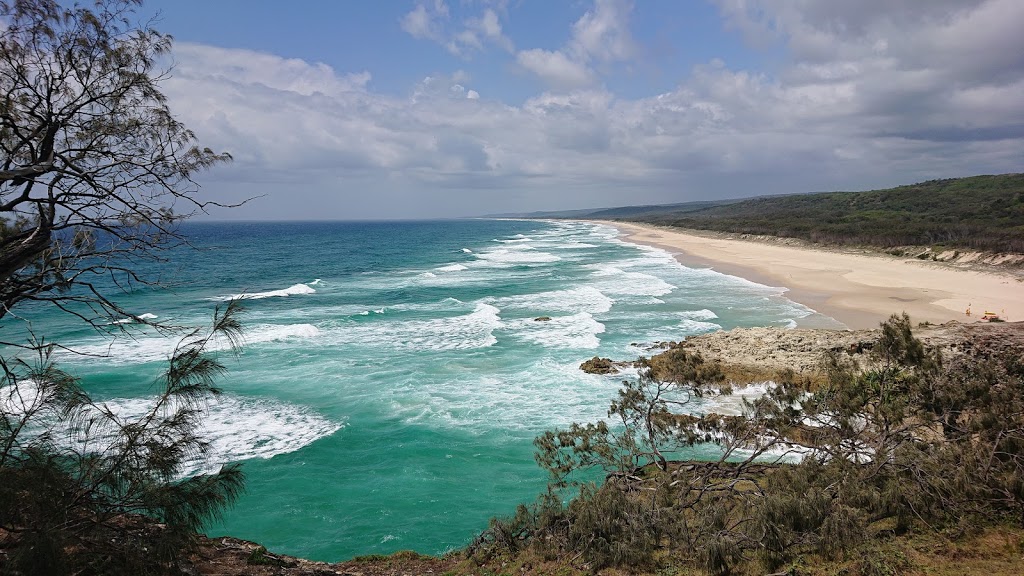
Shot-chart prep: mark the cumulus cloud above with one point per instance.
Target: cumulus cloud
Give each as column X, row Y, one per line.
column 556, row 68
column 943, row 70
column 425, row 21
column 601, row 36
column 603, row 33
column 285, row 119
column 485, row 28
column 432, row 21
column 905, row 93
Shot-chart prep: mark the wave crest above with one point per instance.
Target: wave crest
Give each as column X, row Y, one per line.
column 293, row 290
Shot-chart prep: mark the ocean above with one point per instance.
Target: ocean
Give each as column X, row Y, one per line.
column 394, row 374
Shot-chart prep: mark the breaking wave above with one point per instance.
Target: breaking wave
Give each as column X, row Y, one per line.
column 293, row 290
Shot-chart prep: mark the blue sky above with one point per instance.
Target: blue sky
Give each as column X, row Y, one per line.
column 671, row 37
column 434, row 108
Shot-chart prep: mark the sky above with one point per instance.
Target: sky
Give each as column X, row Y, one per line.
column 447, row 108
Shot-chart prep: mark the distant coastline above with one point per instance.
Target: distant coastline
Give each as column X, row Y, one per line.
column 858, row 289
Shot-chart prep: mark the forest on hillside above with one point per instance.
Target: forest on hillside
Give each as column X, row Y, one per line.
column 978, row 213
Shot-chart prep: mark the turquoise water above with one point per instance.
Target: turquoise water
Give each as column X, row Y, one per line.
column 394, row 374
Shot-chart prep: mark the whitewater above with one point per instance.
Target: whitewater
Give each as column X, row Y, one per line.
column 394, row 374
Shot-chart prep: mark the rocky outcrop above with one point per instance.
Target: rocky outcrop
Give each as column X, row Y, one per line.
column 598, row 365
column 760, row 354
column 233, row 557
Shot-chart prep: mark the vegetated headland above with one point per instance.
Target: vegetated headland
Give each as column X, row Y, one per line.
column 895, row 450
column 977, row 214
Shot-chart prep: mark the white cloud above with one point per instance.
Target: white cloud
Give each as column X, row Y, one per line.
column 489, row 24
column 866, row 100
column 555, row 68
column 601, row 36
column 425, row 20
column 927, row 71
column 432, row 22
column 478, row 31
column 249, row 67
column 603, row 33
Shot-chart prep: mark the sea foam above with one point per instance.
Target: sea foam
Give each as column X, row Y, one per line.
column 145, row 316
column 157, row 348
column 239, row 428
column 463, row 332
column 293, row 290
column 507, row 257
column 236, row 427
column 578, row 331
column 615, row 280
column 583, row 298
column 703, row 314
column 512, row 401
column 689, row 327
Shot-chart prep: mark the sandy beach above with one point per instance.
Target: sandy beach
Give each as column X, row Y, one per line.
column 859, row 290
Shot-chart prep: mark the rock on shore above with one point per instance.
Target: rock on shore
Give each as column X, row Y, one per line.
column 761, row 354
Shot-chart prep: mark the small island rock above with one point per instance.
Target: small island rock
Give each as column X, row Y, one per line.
column 598, row 365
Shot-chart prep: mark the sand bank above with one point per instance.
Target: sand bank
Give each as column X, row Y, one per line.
column 859, row 290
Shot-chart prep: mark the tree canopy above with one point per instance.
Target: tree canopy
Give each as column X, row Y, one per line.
column 94, row 167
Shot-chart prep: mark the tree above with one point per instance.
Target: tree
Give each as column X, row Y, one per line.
column 93, row 164
column 84, row 490
column 914, row 440
column 94, row 169
column 647, row 499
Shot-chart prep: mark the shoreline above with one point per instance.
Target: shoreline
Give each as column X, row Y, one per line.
column 858, row 290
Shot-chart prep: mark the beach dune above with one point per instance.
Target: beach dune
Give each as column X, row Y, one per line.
column 858, row 289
